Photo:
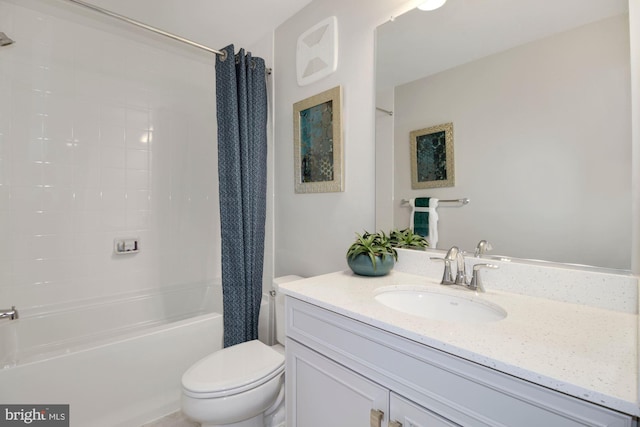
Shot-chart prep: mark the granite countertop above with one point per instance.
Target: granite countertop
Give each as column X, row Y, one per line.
column 586, row 352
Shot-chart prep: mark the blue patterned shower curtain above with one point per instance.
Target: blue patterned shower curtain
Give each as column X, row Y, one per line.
column 241, row 100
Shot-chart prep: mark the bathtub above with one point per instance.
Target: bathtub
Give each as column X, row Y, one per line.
column 115, row 361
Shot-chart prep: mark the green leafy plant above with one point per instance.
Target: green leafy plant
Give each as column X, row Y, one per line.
column 407, row 239
column 372, row 245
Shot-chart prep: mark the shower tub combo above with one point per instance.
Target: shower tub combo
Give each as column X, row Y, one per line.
column 115, row 361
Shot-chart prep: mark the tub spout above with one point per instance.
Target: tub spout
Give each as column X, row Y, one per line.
column 10, row 313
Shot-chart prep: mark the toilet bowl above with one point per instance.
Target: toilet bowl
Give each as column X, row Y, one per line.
column 242, row 385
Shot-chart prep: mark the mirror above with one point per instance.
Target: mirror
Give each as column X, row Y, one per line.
column 539, row 97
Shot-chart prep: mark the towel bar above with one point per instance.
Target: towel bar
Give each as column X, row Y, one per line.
column 461, row 201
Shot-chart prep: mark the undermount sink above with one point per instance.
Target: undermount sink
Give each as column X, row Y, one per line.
column 440, row 305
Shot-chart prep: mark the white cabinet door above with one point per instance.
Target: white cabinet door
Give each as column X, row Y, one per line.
column 404, row 413
column 322, row 393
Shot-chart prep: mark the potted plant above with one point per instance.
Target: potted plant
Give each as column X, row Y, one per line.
column 407, row 239
column 372, row 254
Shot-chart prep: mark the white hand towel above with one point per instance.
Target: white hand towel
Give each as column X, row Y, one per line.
column 433, row 223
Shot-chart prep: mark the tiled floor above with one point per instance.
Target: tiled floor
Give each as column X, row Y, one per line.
column 177, row 419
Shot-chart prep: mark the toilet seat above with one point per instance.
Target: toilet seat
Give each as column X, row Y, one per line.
column 233, row 370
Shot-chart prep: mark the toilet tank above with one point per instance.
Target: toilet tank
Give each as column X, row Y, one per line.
column 279, row 304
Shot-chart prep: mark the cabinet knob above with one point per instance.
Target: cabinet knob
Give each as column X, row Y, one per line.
column 395, row 424
column 375, row 418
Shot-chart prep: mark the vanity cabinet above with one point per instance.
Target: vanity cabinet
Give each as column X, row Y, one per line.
column 324, row 393
column 345, row 373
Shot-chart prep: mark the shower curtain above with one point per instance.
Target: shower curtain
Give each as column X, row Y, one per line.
column 241, row 100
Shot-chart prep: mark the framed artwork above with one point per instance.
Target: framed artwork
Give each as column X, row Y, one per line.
column 317, row 137
column 432, row 163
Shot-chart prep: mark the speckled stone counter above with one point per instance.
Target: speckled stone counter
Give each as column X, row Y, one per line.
column 583, row 351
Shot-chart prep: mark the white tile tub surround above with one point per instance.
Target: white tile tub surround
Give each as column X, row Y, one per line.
column 105, row 132
column 560, row 282
column 66, row 328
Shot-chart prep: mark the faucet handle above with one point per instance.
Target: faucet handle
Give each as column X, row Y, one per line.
column 447, row 279
column 476, row 283
column 10, row 313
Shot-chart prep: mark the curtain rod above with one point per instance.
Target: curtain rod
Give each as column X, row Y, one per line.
column 149, row 27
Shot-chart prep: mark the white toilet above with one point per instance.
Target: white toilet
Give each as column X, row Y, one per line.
column 242, row 385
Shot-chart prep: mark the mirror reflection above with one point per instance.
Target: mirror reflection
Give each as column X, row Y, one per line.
column 539, row 97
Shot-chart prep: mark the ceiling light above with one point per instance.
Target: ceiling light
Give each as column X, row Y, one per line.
column 431, row 4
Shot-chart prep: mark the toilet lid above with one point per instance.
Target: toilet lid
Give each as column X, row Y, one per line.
column 233, row 369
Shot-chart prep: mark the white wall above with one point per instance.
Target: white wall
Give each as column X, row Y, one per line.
column 80, row 97
column 313, row 231
column 561, row 104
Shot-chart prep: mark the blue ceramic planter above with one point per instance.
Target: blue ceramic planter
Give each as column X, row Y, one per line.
column 362, row 265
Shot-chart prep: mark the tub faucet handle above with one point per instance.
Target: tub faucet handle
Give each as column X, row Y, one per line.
column 11, row 313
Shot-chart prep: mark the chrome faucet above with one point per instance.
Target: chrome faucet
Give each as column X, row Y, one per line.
column 455, row 254
column 482, row 247
column 461, row 270
column 10, row 313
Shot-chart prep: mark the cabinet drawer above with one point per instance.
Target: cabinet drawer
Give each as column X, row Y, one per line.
column 462, row 391
column 409, row 414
